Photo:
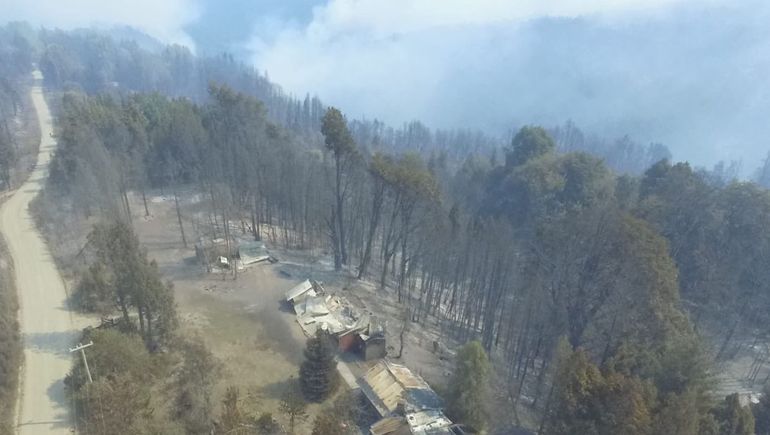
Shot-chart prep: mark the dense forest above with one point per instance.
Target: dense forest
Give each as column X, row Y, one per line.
column 604, row 281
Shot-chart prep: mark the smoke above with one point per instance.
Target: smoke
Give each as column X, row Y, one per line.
column 164, row 20
column 685, row 73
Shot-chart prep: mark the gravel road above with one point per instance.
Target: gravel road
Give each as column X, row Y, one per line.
column 48, row 327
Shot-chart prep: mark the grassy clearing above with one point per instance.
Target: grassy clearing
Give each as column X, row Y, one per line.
column 257, row 360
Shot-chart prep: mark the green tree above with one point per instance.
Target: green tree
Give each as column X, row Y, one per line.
column 318, row 375
column 549, row 186
column 761, row 413
column 131, row 280
column 733, row 418
column 193, row 383
column 340, row 142
column 114, row 405
column 469, row 386
column 529, row 143
column 93, row 292
column 7, row 156
column 589, row 402
column 113, row 353
column 120, row 398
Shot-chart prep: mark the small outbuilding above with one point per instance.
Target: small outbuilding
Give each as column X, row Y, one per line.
column 251, row 252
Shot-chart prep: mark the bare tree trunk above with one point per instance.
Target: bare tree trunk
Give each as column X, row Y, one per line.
column 144, row 200
column 333, row 228
column 373, row 224
column 179, row 218
column 340, row 219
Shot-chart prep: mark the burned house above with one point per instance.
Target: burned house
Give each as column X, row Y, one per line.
column 363, row 342
column 404, row 401
column 352, row 330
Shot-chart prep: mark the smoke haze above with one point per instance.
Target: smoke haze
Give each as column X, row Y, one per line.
column 690, row 74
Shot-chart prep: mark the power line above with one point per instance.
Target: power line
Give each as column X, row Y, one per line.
column 81, row 348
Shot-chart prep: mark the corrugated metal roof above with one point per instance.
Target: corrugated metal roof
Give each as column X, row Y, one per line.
column 312, row 306
column 382, row 388
column 387, row 385
column 406, row 378
column 252, row 251
column 430, row 421
column 299, row 290
column 331, row 313
column 389, row 426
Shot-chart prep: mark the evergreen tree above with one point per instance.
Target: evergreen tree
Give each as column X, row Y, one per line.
column 529, row 143
column 733, row 418
column 589, row 402
column 340, row 142
column 318, row 373
column 469, row 386
column 761, row 413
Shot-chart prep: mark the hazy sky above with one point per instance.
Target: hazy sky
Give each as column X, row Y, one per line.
column 688, row 73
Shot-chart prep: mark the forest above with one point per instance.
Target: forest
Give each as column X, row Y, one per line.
column 605, row 281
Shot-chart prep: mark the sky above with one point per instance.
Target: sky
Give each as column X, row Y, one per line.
column 687, row 73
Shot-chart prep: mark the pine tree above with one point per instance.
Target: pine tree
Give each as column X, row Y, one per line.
column 469, row 386
column 340, row 142
column 733, row 418
column 318, row 374
column 761, row 413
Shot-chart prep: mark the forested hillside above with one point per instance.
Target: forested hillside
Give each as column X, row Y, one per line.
column 604, row 281
column 95, row 63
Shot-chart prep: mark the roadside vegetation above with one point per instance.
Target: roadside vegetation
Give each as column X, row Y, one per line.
column 19, row 138
column 10, row 344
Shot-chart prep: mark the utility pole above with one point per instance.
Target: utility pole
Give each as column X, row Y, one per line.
column 81, row 347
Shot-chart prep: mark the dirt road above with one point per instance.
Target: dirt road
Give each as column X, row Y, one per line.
column 47, row 326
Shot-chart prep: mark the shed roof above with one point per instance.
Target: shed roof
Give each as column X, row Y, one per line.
column 390, row 426
column 382, row 388
column 387, row 385
column 252, row 251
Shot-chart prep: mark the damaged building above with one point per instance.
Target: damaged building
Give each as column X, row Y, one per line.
column 406, row 403
column 353, row 331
